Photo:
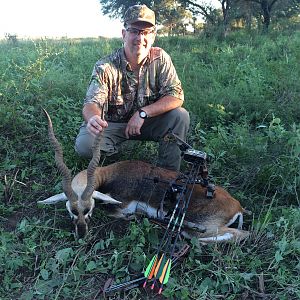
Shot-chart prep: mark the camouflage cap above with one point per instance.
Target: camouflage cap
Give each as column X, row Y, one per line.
column 139, row 13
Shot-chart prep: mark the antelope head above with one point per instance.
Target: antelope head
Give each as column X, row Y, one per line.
column 80, row 193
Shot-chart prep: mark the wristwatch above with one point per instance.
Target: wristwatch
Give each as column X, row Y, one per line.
column 143, row 114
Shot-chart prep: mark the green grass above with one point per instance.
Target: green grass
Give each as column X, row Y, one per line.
column 243, row 97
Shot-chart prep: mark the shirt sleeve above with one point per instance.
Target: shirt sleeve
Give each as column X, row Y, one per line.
column 97, row 91
column 169, row 82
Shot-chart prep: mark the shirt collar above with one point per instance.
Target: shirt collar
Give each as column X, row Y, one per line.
column 125, row 63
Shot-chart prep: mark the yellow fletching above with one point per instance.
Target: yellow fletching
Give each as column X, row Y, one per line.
column 158, row 265
column 162, row 277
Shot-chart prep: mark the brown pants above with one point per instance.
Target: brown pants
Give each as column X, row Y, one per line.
column 153, row 129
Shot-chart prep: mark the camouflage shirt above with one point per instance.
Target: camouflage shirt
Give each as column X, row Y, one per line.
column 114, row 84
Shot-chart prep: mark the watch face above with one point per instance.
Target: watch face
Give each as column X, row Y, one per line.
column 143, row 114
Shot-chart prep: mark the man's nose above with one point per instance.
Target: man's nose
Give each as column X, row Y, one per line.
column 140, row 36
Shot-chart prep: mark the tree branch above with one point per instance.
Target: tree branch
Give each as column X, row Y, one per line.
column 203, row 9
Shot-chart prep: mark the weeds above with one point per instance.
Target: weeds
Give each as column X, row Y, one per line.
column 243, row 96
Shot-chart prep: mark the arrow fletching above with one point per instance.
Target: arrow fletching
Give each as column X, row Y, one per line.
column 164, row 278
column 160, row 265
column 151, row 267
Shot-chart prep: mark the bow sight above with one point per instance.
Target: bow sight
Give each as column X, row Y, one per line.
column 189, row 154
column 196, row 157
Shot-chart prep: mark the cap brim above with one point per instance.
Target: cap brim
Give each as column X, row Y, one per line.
column 140, row 20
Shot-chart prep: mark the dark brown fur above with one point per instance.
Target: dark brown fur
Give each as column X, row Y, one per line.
column 126, row 181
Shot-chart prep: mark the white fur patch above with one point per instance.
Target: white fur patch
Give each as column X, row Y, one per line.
column 233, row 219
column 140, row 207
column 219, row 238
column 130, row 209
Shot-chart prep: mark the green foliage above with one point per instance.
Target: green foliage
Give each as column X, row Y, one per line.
column 243, row 97
column 262, row 160
column 251, row 71
column 174, row 15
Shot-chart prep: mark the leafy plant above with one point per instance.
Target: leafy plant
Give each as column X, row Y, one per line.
column 243, row 98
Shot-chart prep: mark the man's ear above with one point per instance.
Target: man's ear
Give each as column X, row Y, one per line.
column 153, row 39
column 123, row 33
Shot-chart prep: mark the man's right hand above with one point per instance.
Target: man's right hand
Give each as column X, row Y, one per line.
column 95, row 125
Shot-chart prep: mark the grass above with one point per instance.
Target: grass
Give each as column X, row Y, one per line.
column 243, row 96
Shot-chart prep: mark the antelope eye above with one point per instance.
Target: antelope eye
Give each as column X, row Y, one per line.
column 74, row 212
column 86, row 211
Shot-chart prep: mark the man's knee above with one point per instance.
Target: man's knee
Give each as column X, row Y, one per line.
column 180, row 114
column 84, row 142
column 179, row 120
column 84, row 145
column 109, row 142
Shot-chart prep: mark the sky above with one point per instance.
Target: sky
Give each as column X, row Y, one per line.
column 56, row 18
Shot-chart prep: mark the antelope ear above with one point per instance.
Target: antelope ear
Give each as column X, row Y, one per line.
column 54, row 199
column 105, row 198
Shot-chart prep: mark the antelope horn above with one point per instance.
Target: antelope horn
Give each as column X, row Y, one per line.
column 105, row 198
column 59, row 160
column 90, row 187
column 54, row 199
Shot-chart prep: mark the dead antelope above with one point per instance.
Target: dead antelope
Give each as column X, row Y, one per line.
column 129, row 188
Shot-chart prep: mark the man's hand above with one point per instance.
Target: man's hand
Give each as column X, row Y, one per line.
column 95, row 125
column 134, row 125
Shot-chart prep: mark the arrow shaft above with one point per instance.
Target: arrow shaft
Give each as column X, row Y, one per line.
column 152, row 266
column 183, row 211
column 161, row 270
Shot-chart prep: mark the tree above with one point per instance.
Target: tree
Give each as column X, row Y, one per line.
column 174, row 17
column 215, row 18
column 206, row 10
column 175, row 14
column 168, row 12
column 266, row 8
column 11, row 38
column 269, row 8
column 228, row 12
column 117, row 8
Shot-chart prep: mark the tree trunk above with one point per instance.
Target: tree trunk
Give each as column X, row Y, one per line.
column 248, row 16
column 266, row 10
column 225, row 11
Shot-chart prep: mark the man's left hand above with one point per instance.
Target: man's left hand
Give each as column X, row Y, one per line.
column 134, row 125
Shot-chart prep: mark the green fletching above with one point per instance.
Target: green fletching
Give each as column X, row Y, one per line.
column 167, row 273
column 151, row 266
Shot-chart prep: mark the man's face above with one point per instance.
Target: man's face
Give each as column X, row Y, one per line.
column 138, row 39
